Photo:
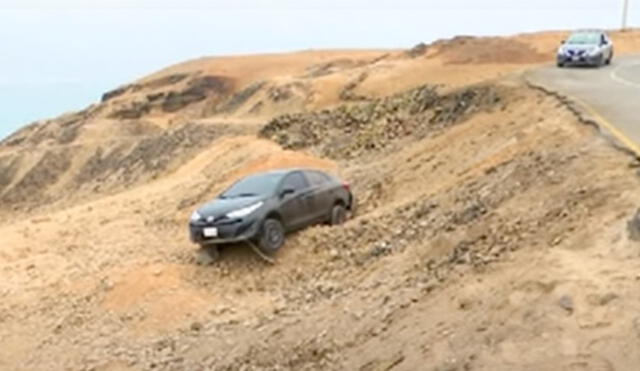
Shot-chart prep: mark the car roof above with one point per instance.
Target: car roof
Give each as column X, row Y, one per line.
column 589, row 30
column 286, row 171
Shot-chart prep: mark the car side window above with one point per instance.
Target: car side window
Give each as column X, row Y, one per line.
column 316, row 178
column 295, row 181
column 603, row 39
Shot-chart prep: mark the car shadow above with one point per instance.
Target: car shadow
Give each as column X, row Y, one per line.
column 242, row 253
column 586, row 67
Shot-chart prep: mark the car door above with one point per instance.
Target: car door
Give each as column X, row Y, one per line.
column 295, row 203
column 322, row 195
column 606, row 46
column 609, row 45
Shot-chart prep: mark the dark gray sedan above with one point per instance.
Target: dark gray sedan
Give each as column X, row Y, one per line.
column 262, row 208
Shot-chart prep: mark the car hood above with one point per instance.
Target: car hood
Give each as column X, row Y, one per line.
column 579, row 47
column 222, row 206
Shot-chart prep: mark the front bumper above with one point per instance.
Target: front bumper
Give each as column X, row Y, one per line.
column 228, row 232
column 580, row 60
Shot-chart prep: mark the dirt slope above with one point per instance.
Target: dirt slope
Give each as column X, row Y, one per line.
column 145, row 129
column 492, row 232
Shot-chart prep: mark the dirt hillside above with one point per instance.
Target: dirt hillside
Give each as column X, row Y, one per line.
column 493, row 229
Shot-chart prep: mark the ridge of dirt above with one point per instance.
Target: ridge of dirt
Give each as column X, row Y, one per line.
column 348, row 130
column 487, row 50
column 198, row 89
column 106, row 167
column 153, row 84
column 61, row 131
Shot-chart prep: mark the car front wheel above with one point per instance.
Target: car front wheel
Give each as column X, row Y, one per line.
column 600, row 61
column 271, row 236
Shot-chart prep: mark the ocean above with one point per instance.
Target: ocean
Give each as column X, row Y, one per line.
column 24, row 103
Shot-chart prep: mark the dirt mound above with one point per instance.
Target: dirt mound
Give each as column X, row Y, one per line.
column 338, row 65
column 211, row 88
column 61, row 131
column 85, row 170
column 347, row 131
column 488, row 50
column 418, row 50
column 48, row 170
column 237, row 100
column 471, row 202
column 9, row 167
column 153, row 84
column 148, row 158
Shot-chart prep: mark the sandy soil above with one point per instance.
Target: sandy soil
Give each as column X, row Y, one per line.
column 489, row 237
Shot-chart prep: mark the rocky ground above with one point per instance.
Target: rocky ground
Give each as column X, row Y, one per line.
column 495, row 232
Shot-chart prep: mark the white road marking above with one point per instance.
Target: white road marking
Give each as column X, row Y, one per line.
column 615, row 77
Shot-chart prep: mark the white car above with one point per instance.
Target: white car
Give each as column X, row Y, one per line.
column 591, row 48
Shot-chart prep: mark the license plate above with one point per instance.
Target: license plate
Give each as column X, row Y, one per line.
column 576, row 59
column 210, row 232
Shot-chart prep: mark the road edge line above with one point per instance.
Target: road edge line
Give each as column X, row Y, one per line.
column 615, row 77
column 588, row 115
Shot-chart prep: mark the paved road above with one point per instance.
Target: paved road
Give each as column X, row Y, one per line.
column 613, row 92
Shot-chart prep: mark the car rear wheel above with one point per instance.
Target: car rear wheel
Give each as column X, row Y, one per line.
column 271, row 236
column 338, row 215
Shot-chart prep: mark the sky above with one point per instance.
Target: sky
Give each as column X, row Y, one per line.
column 61, row 55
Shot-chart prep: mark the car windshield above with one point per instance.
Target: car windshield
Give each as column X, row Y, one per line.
column 255, row 185
column 584, row 39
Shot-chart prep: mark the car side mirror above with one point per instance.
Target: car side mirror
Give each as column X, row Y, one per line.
column 563, row 42
column 287, row 191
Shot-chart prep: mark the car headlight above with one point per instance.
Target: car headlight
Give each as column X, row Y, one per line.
column 565, row 50
column 240, row 213
column 195, row 216
column 593, row 51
